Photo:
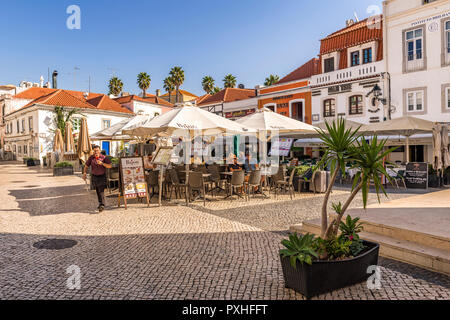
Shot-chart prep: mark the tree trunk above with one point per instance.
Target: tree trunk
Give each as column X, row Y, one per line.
column 334, row 226
column 177, row 93
column 325, row 201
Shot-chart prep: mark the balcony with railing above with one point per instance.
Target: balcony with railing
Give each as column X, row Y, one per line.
column 415, row 62
column 348, row 74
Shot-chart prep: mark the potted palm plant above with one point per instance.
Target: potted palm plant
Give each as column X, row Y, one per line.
column 317, row 265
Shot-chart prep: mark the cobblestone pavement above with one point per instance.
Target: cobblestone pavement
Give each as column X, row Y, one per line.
column 220, row 251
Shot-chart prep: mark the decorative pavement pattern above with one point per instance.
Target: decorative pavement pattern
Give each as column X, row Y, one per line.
column 222, row 251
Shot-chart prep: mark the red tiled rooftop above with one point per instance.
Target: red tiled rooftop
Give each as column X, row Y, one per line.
column 182, row 92
column 358, row 33
column 228, row 95
column 68, row 98
column 307, row 70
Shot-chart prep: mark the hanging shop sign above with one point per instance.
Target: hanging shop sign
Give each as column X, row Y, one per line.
column 340, row 88
column 239, row 113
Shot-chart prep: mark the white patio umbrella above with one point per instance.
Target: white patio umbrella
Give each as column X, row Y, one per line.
column 189, row 120
column 268, row 122
column 115, row 132
column 404, row 126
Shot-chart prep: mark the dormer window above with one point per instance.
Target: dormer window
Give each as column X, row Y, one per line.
column 355, row 58
column 329, row 65
column 367, row 55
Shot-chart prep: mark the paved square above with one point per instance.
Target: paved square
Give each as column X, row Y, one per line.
column 222, row 251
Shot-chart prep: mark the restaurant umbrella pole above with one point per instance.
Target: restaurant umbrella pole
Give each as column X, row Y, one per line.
column 161, row 168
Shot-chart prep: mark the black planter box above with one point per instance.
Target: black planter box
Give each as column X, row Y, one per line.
column 433, row 181
column 62, row 171
column 326, row 276
column 32, row 163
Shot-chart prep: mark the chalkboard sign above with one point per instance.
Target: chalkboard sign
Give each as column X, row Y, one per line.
column 416, row 175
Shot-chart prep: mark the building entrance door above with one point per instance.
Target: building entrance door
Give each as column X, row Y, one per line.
column 105, row 146
column 297, row 111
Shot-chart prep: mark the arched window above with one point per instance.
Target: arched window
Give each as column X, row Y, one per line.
column 329, row 108
column 355, row 104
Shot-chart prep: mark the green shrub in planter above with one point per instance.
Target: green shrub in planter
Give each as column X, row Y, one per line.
column 33, row 162
column 63, row 164
column 63, row 168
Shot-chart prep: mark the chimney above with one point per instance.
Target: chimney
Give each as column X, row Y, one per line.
column 86, row 95
column 41, row 82
column 54, row 80
column 125, row 94
column 349, row 22
column 158, row 92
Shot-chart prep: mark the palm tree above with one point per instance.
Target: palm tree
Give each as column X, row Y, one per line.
column 229, row 81
column 61, row 116
column 272, row 79
column 208, row 84
column 168, row 85
column 143, row 81
column 216, row 90
column 115, row 86
column 177, row 75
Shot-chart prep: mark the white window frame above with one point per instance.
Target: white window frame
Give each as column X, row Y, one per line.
column 414, row 95
column 414, row 40
column 103, row 123
column 30, row 123
column 447, row 99
column 414, row 63
column 445, row 42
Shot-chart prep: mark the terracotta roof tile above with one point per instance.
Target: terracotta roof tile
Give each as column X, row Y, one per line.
column 307, row 70
column 68, row 98
column 182, row 92
column 358, row 33
column 228, row 95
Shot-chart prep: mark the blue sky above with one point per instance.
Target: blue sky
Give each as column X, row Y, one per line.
column 248, row 38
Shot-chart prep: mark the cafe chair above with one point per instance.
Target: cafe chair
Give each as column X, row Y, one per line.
column 176, row 184
column 153, row 183
column 286, row 185
column 237, row 182
column 112, row 175
column 197, row 184
column 254, row 181
column 219, row 183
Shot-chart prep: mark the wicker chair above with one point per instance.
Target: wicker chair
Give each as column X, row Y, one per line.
column 253, row 182
column 176, row 184
column 286, row 185
column 237, row 181
column 196, row 183
column 153, row 182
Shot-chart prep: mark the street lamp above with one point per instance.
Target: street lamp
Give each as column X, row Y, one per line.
column 376, row 90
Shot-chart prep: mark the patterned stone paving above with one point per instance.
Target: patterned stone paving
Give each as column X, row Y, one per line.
column 220, row 251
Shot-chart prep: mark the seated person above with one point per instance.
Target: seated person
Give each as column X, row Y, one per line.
column 249, row 165
column 148, row 165
column 234, row 166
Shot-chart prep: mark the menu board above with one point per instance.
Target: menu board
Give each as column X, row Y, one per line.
column 416, row 175
column 281, row 147
column 163, row 155
column 133, row 177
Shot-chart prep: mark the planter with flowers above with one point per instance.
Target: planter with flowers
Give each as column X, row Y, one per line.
column 338, row 258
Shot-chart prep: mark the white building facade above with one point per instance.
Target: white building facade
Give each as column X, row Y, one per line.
column 417, row 59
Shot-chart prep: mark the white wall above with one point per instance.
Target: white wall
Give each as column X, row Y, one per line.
column 405, row 14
